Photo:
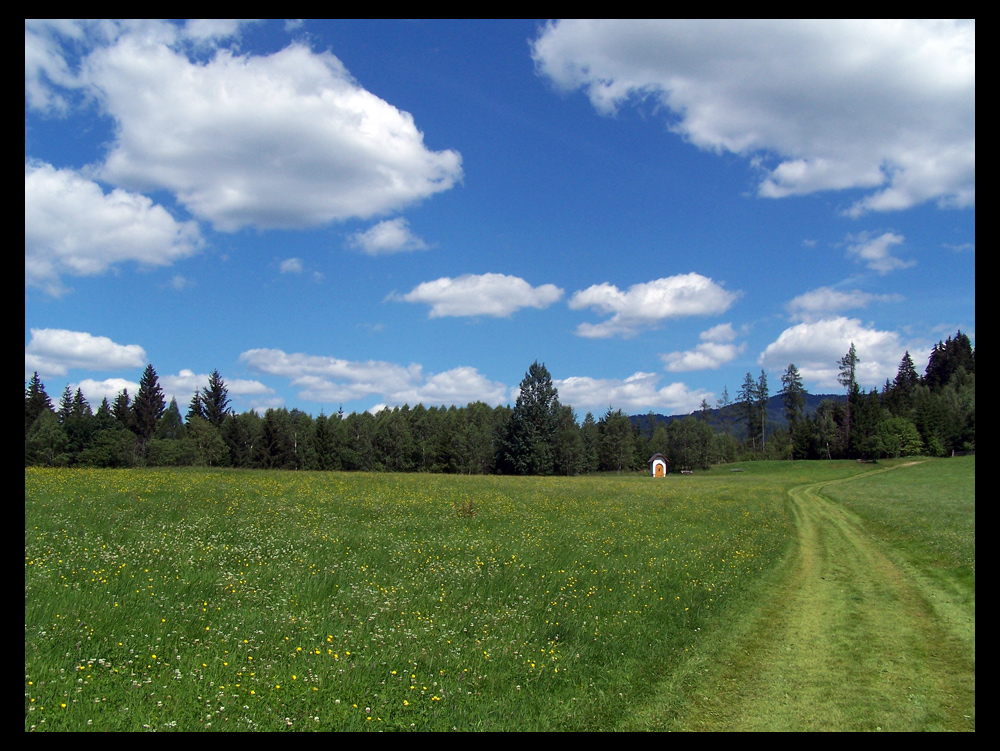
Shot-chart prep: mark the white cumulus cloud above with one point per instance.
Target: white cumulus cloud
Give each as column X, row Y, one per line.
column 55, row 351
column 496, row 295
column 282, row 140
column 183, row 385
column 638, row 392
column 885, row 106
column 71, row 226
column 822, row 301
column 96, row 391
column 390, row 236
column 332, row 380
column 647, row 304
column 816, row 348
column 715, row 350
column 876, row 252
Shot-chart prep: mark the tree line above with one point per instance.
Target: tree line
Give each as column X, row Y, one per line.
column 933, row 414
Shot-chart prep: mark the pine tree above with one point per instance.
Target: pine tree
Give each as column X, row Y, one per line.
column 848, row 378
column 148, row 408
column 215, row 399
column 81, row 408
column 533, row 425
column 195, row 408
column 65, row 405
column 121, row 408
column 36, row 401
column 748, row 406
column 906, row 376
column 762, row 396
column 947, row 358
column 793, row 395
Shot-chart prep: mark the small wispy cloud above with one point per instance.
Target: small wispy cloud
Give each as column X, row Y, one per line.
column 823, row 301
column 496, row 295
column 877, row 252
column 390, row 236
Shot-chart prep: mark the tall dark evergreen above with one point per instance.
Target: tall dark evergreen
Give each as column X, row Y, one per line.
column 215, row 399
column 749, row 410
column 793, row 395
column 36, row 401
column 79, row 426
column 848, row 378
column 81, row 407
column 121, row 408
column 906, row 375
column 195, row 408
column 530, row 444
column 947, row 358
column 762, row 396
column 148, row 408
column 65, row 405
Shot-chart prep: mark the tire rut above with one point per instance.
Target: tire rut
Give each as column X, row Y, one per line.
column 850, row 641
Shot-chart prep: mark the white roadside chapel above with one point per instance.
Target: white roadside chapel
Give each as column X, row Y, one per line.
column 658, row 465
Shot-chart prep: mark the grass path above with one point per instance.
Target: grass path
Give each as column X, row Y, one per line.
column 854, row 639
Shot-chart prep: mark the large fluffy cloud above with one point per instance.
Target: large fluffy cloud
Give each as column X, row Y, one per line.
column 495, row 295
column 816, row 348
column 71, row 226
column 647, row 304
column 55, row 351
column 282, row 140
column 331, row 380
column 885, row 106
column 639, row 392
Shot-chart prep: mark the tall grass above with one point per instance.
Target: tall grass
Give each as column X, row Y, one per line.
column 230, row 600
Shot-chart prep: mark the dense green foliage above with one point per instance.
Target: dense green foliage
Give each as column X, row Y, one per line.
column 934, row 416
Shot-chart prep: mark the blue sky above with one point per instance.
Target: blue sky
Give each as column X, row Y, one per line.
column 367, row 213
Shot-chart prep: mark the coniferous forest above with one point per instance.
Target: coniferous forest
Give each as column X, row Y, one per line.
column 929, row 414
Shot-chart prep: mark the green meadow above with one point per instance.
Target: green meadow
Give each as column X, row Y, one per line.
column 243, row 600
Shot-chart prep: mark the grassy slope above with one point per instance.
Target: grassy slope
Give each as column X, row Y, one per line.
column 870, row 626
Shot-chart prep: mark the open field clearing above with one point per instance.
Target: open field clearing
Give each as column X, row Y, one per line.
column 230, row 600
column 862, row 631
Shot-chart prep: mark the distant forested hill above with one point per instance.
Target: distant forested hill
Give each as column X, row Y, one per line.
column 716, row 417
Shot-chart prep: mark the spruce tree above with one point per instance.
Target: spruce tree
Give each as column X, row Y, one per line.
column 148, row 408
column 529, row 448
column 36, row 401
column 195, row 408
column 215, row 399
column 793, row 395
column 762, row 396
column 848, row 378
column 121, row 408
